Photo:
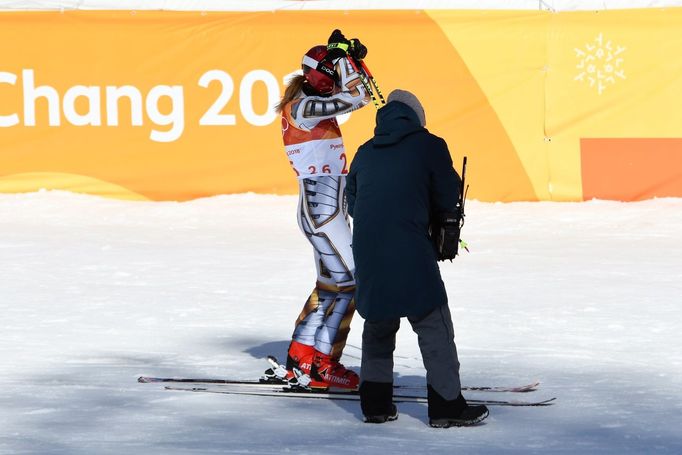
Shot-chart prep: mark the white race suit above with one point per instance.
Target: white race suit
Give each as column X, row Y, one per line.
column 315, row 149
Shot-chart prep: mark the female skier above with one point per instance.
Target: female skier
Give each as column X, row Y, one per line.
column 328, row 87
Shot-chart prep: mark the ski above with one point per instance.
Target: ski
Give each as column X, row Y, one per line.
column 257, row 382
column 264, row 383
column 289, row 392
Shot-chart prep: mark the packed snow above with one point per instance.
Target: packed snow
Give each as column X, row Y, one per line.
column 584, row 297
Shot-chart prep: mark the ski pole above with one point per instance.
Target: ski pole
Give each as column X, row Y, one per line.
column 462, row 199
column 374, row 82
column 366, row 83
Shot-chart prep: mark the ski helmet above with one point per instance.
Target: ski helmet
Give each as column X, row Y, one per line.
column 318, row 71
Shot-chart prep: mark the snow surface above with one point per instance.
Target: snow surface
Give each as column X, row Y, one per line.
column 584, row 297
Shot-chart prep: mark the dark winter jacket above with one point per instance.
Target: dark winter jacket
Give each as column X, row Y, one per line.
column 397, row 181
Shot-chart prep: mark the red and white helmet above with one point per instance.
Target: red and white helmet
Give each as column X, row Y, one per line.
column 319, row 73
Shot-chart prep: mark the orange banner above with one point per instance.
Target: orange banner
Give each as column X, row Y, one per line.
column 179, row 105
column 175, row 106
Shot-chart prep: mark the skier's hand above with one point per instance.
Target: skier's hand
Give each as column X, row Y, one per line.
column 337, row 45
column 357, row 50
column 337, row 37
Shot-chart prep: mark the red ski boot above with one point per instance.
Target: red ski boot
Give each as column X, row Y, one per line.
column 299, row 356
column 327, row 372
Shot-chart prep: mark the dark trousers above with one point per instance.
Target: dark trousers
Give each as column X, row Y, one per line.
column 436, row 338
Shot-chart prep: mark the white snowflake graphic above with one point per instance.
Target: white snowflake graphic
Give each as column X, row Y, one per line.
column 600, row 64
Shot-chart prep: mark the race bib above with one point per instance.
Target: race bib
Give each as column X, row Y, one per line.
column 318, row 157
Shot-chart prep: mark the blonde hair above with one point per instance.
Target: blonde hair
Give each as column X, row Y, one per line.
column 295, row 86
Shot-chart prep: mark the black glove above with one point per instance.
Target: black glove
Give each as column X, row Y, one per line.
column 337, row 45
column 357, row 50
column 444, row 231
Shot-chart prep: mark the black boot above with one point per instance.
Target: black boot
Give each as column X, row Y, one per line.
column 453, row 413
column 376, row 401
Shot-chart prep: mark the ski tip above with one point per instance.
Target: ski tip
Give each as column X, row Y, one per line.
column 521, row 403
column 530, row 387
column 547, row 402
column 144, row 379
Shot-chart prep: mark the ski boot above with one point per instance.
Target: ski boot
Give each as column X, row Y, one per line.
column 326, row 373
column 299, row 357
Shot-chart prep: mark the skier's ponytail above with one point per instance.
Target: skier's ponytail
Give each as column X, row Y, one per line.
column 295, row 86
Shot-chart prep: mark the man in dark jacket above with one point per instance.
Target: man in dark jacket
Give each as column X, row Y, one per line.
column 398, row 181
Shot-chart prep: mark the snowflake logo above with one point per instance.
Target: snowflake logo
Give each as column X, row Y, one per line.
column 600, row 64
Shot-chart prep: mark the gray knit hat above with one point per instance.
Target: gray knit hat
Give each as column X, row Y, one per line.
column 405, row 97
